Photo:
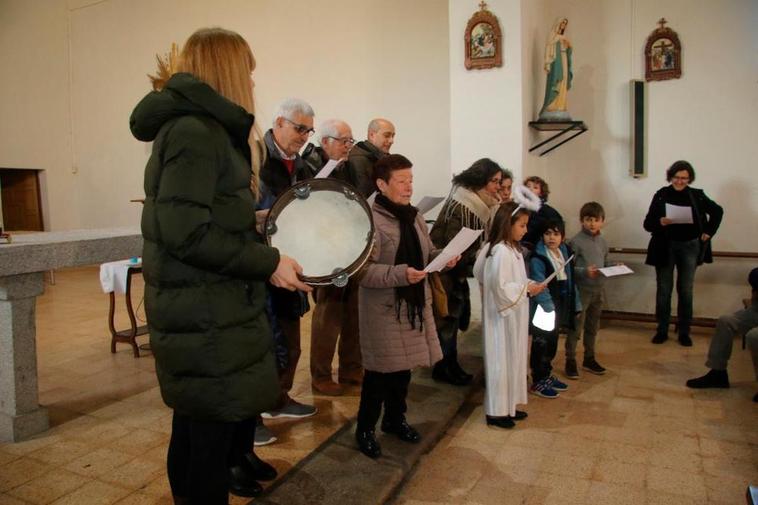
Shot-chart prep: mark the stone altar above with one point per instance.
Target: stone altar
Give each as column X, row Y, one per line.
column 22, row 266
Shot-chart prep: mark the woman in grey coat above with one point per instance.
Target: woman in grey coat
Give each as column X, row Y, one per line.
column 394, row 306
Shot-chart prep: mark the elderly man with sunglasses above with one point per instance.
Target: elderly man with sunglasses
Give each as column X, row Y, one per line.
column 336, row 314
column 291, row 129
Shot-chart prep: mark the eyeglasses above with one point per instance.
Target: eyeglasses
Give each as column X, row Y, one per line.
column 301, row 129
column 347, row 141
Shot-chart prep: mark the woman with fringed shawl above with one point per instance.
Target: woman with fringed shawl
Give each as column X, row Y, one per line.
column 471, row 204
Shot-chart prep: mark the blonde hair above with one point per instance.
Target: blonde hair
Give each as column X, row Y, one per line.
column 223, row 60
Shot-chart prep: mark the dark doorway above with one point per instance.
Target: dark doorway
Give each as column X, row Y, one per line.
column 20, row 196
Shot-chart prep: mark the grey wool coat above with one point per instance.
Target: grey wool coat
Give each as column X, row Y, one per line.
column 389, row 344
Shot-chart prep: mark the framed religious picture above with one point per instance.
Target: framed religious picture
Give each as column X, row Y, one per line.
column 663, row 54
column 483, row 40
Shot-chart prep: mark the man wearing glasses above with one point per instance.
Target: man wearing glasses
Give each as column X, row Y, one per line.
column 335, row 140
column 292, row 127
column 336, row 312
column 381, row 136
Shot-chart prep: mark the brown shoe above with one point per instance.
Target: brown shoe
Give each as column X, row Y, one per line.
column 354, row 378
column 327, row 387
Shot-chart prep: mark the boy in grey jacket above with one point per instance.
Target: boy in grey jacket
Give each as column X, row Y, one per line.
column 591, row 252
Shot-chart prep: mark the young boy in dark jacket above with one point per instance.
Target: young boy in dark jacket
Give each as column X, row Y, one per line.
column 560, row 300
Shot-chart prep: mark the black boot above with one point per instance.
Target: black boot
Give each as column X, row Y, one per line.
column 501, row 422
column 367, row 444
column 685, row 340
column 259, row 469
column 402, row 430
column 442, row 372
column 659, row 338
column 241, row 483
column 713, row 379
column 456, row 369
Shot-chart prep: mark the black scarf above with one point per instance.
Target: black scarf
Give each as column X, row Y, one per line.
column 408, row 252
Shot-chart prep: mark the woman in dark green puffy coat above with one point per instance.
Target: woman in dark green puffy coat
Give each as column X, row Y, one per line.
column 205, row 267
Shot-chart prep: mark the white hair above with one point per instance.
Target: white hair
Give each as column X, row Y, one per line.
column 291, row 106
column 329, row 128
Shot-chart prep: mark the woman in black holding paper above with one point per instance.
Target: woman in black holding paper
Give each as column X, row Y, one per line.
column 680, row 245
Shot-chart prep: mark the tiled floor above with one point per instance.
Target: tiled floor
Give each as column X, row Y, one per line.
column 110, row 426
column 635, row 435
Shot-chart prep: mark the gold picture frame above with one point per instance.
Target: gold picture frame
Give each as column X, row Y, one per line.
column 483, row 40
column 663, row 54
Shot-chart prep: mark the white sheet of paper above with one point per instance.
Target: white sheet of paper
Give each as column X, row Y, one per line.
column 616, row 270
column 371, row 198
column 327, row 169
column 679, row 214
column 545, row 321
column 428, row 203
column 460, row 243
column 552, row 276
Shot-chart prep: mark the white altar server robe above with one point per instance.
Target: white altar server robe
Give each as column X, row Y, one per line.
column 505, row 317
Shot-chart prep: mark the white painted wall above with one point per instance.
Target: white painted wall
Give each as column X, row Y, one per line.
column 353, row 60
column 73, row 70
column 486, row 105
column 704, row 117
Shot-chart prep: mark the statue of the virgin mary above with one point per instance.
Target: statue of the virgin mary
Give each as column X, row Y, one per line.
column 559, row 75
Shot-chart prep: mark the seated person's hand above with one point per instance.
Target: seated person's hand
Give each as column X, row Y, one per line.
column 705, row 237
column 286, row 275
column 666, row 221
column 414, row 276
column 592, row 271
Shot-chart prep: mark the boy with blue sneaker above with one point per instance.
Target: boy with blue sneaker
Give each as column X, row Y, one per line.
column 560, row 300
column 591, row 251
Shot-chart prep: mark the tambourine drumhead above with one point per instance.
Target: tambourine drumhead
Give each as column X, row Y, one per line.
column 325, row 225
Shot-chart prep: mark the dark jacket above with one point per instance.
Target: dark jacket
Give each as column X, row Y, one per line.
column 274, row 173
column 360, row 167
column 537, row 220
column 449, row 222
column 562, row 297
column 276, row 180
column 707, row 215
column 204, row 265
column 315, row 157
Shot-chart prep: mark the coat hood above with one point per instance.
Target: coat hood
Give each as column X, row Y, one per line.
column 184, row 95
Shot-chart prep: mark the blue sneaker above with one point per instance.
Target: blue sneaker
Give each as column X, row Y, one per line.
column 556, row 384
column 542, row 388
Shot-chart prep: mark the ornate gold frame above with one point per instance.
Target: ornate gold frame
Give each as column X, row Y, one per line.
column 675, row 72
column 484, row 16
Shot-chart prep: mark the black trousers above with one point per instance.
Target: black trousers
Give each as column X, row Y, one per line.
column 544, row 348
column 388, row 389
column 200, row 454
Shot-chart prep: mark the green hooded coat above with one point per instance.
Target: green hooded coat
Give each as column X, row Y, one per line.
column 203, row 262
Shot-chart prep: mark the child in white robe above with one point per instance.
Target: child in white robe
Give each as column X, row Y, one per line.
column 501, row 273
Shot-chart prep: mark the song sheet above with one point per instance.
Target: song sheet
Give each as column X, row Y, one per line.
column 616, row 270
column 428, row 203
column 327, row 169
column 457, row 246
column 679, row 214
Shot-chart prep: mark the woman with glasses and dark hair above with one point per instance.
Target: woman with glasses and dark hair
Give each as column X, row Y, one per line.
column 471, row 203
column 679, row 242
